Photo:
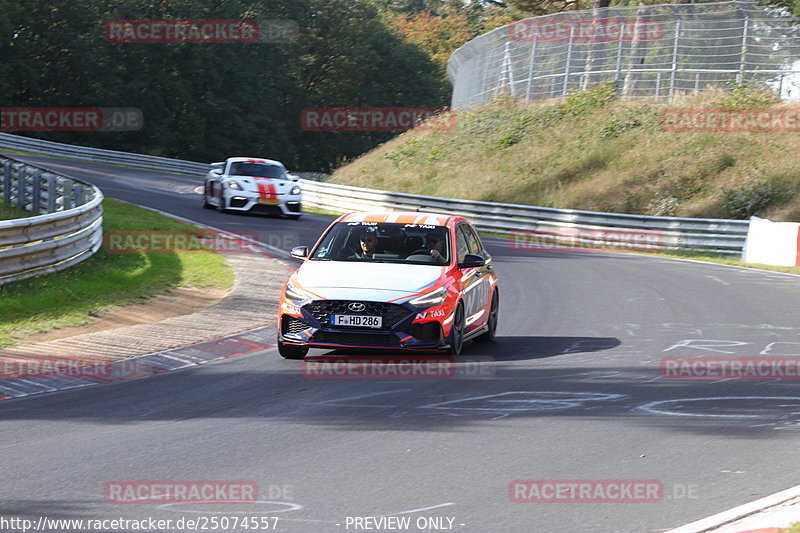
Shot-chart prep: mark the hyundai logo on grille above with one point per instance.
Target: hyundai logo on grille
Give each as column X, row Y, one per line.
column 356, row 307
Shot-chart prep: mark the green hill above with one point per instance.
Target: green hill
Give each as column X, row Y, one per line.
column 594, row 151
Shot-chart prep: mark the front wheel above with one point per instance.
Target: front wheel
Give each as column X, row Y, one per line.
column 291, row 351
column 491, row 322
column 457, row 332
column 206, row 205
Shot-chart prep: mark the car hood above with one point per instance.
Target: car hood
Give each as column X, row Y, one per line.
column 377, row 282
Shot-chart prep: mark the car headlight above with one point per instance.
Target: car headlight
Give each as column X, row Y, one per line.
column 234, row 185
column 295, row 190
column 431, row 299
column 295, row 293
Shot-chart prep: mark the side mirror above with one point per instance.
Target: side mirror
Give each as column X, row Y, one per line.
column 217, row 171
column 472, row 261
column 293, row 177
column 218, row 165
column 299, row 252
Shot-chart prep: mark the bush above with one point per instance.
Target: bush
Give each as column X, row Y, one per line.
column 744, row 202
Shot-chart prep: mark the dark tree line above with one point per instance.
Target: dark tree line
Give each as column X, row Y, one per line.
column 209, row 101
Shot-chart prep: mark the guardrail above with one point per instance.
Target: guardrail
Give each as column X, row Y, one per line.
column 530, row 224
column 26, row 144
column 99, row 155
column 66, row 229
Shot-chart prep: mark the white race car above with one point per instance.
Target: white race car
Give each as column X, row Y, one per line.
column 254, row 185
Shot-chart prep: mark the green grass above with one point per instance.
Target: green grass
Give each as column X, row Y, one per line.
column 107, row 281
column 596, row 152
column 10, row 212
column 794, row 528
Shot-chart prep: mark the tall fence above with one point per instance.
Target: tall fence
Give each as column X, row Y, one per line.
column 647, row 51
column 66, row 226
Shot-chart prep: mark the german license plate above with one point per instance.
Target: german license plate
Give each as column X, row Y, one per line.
column 361, row 321
column 270, row 201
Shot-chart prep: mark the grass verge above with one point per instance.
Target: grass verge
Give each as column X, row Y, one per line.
column 10, row 212
column 107, row 281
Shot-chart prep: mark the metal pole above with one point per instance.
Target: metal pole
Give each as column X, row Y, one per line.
column 674, row 59
column 743, row 61
column 569, row 59
column 696, row 82
column 530, row 72
column 619, row 52
column 658, row 85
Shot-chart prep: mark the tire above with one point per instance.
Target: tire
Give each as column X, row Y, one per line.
column 206, row 205
column 290, row 351
column 456, row 340
column 494, row 310
column 221, row 205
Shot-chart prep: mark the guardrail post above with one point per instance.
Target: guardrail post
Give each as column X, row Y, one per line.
column 7, row 181
column 52, row 192
column 79, row 195
column 22, row 175
column 66, row 195
column 37, row 191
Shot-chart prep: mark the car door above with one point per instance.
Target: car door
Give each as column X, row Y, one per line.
column 476, row 281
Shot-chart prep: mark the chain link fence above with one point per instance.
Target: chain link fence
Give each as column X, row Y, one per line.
column 647, row 51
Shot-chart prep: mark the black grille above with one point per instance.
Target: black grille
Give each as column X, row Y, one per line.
column 294, row 207
column 355, row 339
column 238, row 202
column 293, row 325
column 391, row 313
column 429, row 331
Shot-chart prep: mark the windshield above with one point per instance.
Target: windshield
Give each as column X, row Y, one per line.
column 259, row 170
column 385, row 242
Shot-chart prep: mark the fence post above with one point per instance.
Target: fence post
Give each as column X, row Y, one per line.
column 743, row 60
column 530, row 72
column 569, row 59
column 674, row 59
column 619, row 54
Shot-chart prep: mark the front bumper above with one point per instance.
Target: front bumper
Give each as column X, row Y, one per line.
column 402, row 330
column 287, row 204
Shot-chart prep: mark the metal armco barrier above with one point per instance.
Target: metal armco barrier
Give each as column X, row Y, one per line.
column 99, row 155
column 579, row 228
column 66, row 229
column 164, row 164
column 526, row 223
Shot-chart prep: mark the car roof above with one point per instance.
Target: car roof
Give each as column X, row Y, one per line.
column 254, row 160
column 401, row 217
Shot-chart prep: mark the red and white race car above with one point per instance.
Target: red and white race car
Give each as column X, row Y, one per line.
column 254, row 185
column 409, row 281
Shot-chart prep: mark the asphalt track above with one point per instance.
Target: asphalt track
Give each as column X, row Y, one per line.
column 570, row 391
